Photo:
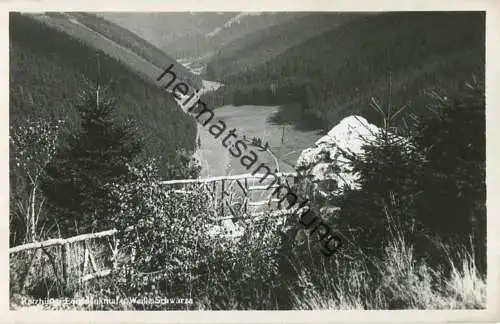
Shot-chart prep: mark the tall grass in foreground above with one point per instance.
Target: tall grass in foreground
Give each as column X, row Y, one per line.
column 398, row 280
column 244, row 275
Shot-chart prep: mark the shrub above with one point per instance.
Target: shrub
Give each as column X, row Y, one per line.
column 168, row 239
column 175, row 252
column 245, row 273
column 182, row 166
column 33, row 145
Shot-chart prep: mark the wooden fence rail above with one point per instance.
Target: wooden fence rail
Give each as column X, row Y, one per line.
column 218, row 186
column 65, row 251
column 60, row 241
column 239, row 194
column 230, row 177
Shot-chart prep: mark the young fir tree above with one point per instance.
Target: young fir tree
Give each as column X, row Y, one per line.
column 453, row 200
column 77, row 184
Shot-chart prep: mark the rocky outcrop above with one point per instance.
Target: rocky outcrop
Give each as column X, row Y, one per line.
column 326, row 165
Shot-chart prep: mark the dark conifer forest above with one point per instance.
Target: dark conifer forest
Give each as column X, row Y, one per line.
column 43, row 58
column 335, row 74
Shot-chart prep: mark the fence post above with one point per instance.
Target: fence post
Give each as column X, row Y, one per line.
column 64, row 257
column 247, row 195
column 116, row 242
column 85, row 258
column 222, row 197
column 24, row 281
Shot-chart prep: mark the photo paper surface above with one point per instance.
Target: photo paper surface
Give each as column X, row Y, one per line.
column 315, row 163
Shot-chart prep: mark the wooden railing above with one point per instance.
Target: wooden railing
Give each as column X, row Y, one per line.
column 234, row 194
column 245, row 194
column 71, row 250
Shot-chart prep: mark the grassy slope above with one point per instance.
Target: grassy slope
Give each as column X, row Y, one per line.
column 118, row 42
column 342, row 69
column 48, row 69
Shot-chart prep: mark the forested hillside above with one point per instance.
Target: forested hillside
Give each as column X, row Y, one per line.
column 197, row 34
column 120, row 44
column 49, row 69
column 337, row 73
column 126, row 39
column 260, row 46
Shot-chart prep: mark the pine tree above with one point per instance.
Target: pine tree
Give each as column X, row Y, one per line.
column 77, row 184
column 453, row 200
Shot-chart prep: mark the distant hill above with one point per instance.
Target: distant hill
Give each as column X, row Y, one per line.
column 48, row 69
column 177, row 33
column 336, row 73
column 194, row 35
column 256, row 48
column 118, row 42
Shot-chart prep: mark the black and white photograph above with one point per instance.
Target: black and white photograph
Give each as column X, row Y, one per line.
column 247, row 160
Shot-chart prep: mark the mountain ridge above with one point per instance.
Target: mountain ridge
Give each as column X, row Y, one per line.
column 258, row 47
column 184, row 35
